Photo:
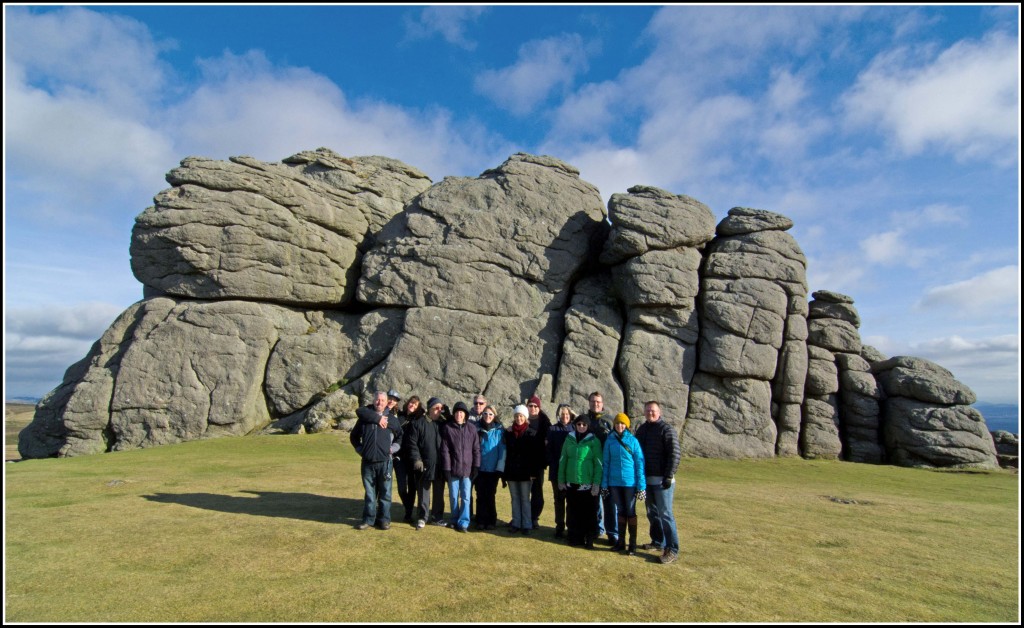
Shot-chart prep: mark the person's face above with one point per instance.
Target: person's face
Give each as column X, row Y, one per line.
column 620, row 427
column 488, row 416
column 460, row 417
column 652, row 412
column 380, row 402
column 435, row 410
column 597, row 403
column 392, row 403
column 581, row 427
column 563, row 416
column 519, row 419
column 412, row 405
column 479, row 404
column 533, row 408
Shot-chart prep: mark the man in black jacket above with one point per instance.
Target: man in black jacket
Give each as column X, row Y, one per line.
column 373, row 437
column 660, row 444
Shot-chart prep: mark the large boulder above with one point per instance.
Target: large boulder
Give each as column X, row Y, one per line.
column 289, row 232
column 651, row 219
column 927, row 417
column 729, row 418
column 508, row 243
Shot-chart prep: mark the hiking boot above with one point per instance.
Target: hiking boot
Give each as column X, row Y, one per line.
column 669, row 557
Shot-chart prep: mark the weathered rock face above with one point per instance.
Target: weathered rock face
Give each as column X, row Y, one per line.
column 509, row 243
column 1007, row 449
column 655, row 248
column 927, row 417
column 752, row 339
column 290, row 232
column 279, row 296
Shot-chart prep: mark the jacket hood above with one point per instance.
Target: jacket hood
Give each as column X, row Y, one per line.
column 460, row 406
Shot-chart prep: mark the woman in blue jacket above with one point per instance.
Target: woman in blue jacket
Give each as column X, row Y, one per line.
column 492, row 466
column 624, row 479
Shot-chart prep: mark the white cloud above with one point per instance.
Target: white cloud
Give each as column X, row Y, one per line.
column 450, row 22
column 217, row 120
column 542, row 66
column 892, row 248
column 965, row 101
column 981, row 294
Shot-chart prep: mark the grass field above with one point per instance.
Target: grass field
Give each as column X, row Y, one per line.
column 261, row 529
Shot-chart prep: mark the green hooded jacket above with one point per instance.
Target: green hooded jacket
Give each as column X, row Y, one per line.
column 581, row 460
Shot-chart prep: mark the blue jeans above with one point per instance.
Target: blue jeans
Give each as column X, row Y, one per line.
column 459, row 491
column 624, row 498
column 376, row 492
column 520, row 492
column 607, row 517
column 659, row 514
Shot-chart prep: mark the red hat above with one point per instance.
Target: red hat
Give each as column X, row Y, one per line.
column 534, row 399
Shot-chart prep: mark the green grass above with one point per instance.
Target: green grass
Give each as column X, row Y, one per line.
column 261, row 529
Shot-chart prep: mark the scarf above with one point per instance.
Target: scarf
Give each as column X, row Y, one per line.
column 519, row 430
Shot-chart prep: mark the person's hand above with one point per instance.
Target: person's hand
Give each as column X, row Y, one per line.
column 641, row 495
column 596, row 490
column 418, row 466
column 667, row 482
column 383, row 422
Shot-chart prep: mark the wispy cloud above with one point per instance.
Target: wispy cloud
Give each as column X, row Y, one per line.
column 542, row 66
column 964, row 101
column 450, row 22
column 981, row 294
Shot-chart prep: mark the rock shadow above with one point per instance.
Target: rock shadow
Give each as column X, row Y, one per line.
column 303, row 506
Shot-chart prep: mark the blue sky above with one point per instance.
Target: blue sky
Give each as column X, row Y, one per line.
column 890, row 135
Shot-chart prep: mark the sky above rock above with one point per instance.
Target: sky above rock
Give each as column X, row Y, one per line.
column 890, row 135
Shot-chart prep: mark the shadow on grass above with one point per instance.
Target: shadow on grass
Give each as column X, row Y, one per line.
column 304, row 506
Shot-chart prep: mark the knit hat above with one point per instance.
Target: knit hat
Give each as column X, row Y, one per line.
column 459, row 405
column 535, row 400
column 521, row 409
column 434, row 401
column 622, row 418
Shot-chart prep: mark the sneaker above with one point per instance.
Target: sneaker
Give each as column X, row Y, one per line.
column 363, row 526
column 384, row 526
column 439, row 523
column 420, row 524
column 669, row 557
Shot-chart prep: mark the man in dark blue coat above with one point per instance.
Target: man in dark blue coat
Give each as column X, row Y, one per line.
column 373, row 436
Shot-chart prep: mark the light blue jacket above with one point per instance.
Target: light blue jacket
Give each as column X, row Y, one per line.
column 492, row 449
column 623, row 462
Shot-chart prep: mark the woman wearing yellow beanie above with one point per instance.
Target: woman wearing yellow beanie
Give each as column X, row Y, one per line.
column 623, row 477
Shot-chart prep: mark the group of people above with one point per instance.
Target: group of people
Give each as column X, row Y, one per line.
column 597, row 468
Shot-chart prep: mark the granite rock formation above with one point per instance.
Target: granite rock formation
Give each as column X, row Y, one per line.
column 278, row 296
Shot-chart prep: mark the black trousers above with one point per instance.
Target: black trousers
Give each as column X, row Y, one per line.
column 486, row 493
column 581, row 515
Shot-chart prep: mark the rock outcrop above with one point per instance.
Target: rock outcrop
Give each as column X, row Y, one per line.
column 278, row 296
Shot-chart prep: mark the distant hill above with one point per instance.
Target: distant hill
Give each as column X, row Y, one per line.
column 1000, row 416
column 27, row 400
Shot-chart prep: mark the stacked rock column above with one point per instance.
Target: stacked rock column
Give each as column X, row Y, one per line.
column 841, row 411
column 752, row 286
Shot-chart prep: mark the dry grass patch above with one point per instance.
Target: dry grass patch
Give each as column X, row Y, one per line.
column 261, row 529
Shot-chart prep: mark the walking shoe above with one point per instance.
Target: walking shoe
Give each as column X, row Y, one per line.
column 439, row 523
column 384, row 526
column 362, row 526
column 420, row 524
column 669, row 557
column 461, row 529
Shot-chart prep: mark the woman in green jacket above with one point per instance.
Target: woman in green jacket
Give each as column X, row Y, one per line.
column 579, row 474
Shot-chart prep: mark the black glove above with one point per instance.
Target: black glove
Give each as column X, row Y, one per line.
column 666, row 483
column 447, row 476
column 605, row 493
column 475, row 471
